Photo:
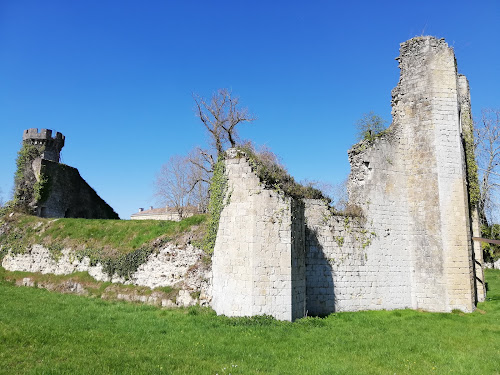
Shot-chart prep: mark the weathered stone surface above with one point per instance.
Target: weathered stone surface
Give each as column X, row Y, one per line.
column 413, row 181
column 494, row 265
column 70, row 195
column 258, row 263
column 173, row 266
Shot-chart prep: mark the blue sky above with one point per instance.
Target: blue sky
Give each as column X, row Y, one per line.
column 117, row 77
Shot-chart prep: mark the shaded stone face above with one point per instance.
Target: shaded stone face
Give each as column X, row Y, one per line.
column 66, row 193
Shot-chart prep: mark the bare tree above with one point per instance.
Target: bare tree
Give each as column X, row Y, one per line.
column 487, row 147
column 172, row 185
column 183, row 181
column 221, row 115
column 340, row 196
column 199, row 173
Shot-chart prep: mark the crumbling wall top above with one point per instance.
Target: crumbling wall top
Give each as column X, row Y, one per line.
column 421, row 44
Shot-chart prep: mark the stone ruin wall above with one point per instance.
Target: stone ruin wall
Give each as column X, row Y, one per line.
column 419, row 168
column 70, row 195
column 348, row 269
column 290, row 258
column 258, row 264
column 411, row 249
column 467, row 129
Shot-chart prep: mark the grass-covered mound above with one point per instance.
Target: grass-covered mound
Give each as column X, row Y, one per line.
column 120, row 245
column 43, row 332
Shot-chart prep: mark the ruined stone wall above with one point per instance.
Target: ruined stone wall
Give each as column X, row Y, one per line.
column 410, row 248
column 348, row 269
column 412, row 181
column 259, row 256
column 69, row 195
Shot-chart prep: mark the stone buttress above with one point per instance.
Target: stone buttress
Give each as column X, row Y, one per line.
column 258, row 263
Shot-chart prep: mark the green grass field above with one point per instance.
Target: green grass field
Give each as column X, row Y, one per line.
column 49, row 333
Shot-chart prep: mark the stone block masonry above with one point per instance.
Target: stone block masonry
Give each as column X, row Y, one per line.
column 258, row 263
column 410, row 248
column 419, row 169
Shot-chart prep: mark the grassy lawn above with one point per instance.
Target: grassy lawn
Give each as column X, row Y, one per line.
column 48, row 333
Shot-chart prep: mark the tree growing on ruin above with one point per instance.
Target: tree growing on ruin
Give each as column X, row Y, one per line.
column 221, row 116
column 487, row 147
column 369, row 126
column 185, row 180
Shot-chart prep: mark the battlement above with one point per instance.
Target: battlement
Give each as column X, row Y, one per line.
column 44, row 134
column 52, row 145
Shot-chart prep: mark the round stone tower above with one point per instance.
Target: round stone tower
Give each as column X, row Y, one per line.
column 51, row 145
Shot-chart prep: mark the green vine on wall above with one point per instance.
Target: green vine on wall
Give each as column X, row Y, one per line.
column 24, row 178
column 470, row 159
column 25, row 155
column 218, row 189
column 41, row 188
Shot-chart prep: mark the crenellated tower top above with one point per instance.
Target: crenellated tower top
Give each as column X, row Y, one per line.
column 52, row 145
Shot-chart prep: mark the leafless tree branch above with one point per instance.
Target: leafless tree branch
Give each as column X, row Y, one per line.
column 487, row 147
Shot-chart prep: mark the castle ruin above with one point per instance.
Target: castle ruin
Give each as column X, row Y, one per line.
column 50, row 189
column 408, row 246
column 411, row 246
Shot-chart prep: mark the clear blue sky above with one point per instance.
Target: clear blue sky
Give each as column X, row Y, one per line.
column 116, row 77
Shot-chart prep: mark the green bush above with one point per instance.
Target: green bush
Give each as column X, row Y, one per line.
column 370, row 126
column 491, row 252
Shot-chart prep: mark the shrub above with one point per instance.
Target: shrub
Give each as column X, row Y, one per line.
column 274, row 175
column 370, row 126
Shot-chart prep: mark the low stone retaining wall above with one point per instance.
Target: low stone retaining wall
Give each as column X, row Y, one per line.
column 178, row 267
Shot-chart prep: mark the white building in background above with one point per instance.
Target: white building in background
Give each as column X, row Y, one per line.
column 164, row 213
